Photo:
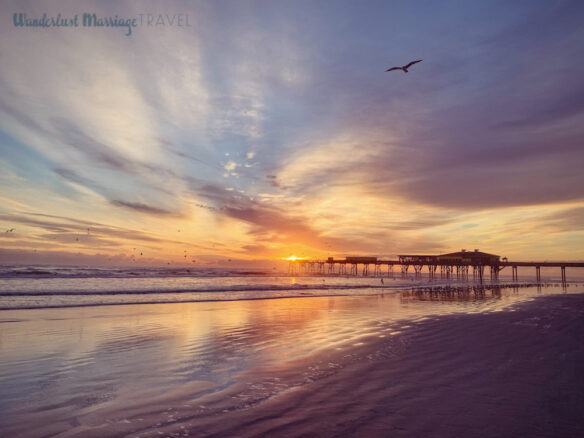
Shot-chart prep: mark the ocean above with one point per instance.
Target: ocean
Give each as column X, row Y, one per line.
column 54, row 287
column 33, row 287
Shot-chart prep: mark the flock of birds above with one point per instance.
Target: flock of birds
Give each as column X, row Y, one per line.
column 403, row 68
column 133, row 256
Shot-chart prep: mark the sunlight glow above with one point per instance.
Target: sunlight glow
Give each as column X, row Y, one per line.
column 294, row 258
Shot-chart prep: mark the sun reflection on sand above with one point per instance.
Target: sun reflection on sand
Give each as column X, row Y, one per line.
column 177, row 354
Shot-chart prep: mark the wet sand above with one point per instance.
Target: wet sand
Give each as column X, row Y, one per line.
column 502, row 374
column 497, row 364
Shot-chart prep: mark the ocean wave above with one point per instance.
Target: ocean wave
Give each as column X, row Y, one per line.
column 7, row 272
column 240, row 288
column 24, row 287
column 52, row 301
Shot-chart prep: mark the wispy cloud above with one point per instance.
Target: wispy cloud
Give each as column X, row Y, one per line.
column 143, row 208
column 271, row 127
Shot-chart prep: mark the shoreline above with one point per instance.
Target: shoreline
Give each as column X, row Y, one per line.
column 302, row 292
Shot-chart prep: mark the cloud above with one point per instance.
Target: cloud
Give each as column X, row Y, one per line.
column 324, row 148
column 551, row 111
column 567, row 220
column 230, row 165
column 73, row 136
column 272, row 224
column 143, row 208
column 64, row 225
column 51, row 257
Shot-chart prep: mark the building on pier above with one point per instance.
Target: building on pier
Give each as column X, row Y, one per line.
column 464, row 257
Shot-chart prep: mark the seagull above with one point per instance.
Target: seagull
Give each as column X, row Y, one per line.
column 405, row 67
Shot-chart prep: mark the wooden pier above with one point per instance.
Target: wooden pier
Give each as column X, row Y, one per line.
column 453, row 265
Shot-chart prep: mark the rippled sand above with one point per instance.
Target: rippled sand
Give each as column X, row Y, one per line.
column 496, row 362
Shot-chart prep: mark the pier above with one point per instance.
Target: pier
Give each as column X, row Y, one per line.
column 460, row 265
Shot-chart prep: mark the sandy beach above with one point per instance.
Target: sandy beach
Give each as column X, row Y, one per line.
column 501, row 362
column 502, row 374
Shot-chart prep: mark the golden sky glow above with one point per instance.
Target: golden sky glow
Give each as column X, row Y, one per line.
column 256, row 135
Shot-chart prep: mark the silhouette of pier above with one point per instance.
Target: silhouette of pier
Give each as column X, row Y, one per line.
column 460, row 265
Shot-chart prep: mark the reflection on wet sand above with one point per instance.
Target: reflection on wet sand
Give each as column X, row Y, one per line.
column 124, row 370
column 475, row 292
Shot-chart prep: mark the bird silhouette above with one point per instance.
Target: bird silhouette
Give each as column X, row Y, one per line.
column 405, row 67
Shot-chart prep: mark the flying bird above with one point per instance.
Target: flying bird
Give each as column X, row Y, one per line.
column 405, row 67
column 10, row 230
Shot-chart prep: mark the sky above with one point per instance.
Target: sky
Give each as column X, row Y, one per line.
column 259, row 130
